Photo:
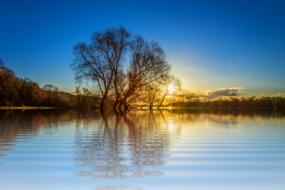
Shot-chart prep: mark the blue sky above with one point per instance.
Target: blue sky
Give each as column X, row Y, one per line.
column 209, row 44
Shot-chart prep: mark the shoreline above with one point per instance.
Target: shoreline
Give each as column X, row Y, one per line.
column 27, row 108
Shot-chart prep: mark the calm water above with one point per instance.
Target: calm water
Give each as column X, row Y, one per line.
column 58, row 151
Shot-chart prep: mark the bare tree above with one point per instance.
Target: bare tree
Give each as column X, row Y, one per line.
column 103, row 61
column 100, row 61
column 151, row 92
column 119, row 41
column 168, row 82
column 147, row 65
column 155, row 93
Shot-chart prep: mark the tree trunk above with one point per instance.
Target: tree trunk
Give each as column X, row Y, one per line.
column 150, row 107
column 158, row 107
column 123, row 107
column 103, row 105
column 116, row 105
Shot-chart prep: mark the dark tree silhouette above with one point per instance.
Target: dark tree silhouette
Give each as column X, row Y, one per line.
column 100, row 61
column 148, row 65
column 103, row 61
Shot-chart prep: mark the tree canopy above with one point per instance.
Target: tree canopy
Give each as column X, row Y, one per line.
column 120, row 64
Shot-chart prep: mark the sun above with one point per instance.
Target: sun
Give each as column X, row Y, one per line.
column 171, row 89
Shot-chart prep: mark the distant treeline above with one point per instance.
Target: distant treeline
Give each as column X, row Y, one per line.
column 15, row 91
column 236, row 104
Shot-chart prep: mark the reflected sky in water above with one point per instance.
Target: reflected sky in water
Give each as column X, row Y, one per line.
column 141, row 150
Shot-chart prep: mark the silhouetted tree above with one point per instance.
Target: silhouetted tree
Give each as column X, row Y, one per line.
column 100, row 61
column 148, row 65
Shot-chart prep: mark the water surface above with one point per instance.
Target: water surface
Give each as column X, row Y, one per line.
column 141, row 150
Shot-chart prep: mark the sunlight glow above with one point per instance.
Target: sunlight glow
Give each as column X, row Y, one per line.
column 171, row 89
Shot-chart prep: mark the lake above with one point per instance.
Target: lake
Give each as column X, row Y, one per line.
column 52, row 150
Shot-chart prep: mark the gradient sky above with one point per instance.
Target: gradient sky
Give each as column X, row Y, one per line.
column 209, row 44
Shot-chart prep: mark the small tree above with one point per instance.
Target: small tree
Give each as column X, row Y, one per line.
column 157, row 92
column 170, row 84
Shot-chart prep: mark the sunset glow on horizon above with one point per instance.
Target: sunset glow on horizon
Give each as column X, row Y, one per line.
column 208, row 45
column 142, row 94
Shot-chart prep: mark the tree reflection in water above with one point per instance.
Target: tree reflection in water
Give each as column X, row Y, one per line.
column 55, row 147
column 122, row 146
